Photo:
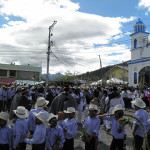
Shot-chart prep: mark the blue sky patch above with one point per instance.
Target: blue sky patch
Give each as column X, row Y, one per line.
column 114, row 54
column 11, row 18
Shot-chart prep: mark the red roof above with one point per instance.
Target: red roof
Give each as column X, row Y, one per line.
column 7, row 81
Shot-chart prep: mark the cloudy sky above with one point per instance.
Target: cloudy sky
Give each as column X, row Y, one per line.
column 84, row 30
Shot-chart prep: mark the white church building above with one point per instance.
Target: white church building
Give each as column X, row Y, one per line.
column 139, row 65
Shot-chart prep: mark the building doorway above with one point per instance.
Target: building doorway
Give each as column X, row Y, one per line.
column 144, row 75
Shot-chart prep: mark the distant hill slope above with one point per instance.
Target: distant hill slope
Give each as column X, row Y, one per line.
column 52, row 77
column 98, row 74
column 93, row 75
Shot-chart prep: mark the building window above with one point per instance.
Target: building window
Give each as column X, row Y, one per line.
column 36, row 76
column 135, row 78
column 123, row 74
column 12, row 73
column 3, row 73
column 135, row 43
column 113, row 75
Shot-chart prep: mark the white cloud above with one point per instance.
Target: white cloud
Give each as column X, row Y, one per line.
column 145, row 4
column 74, row 35
column 6, row 18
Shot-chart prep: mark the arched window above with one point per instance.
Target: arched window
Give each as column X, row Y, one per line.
column 135, row 78
column 135, row 43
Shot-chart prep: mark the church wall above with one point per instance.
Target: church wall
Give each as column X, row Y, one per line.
column 146, row 52
column 136, row 68
column 141, row 38
column 135, row 54
column 140, row 54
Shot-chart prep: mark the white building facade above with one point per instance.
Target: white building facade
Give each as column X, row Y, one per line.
column 139, row 65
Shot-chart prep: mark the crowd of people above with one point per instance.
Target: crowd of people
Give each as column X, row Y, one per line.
column 44, row 117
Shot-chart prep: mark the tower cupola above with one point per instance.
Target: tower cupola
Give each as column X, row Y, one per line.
column 139, row 37
column 139, row 26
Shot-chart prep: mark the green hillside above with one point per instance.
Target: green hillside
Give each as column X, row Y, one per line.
column 99, row 74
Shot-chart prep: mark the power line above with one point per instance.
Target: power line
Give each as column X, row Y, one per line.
column 62, row 61
column 59, row 60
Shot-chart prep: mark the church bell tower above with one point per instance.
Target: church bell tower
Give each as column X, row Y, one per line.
column 138, row 40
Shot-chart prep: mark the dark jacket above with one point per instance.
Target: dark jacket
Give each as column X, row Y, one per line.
column 61, row 102
column 25, row 102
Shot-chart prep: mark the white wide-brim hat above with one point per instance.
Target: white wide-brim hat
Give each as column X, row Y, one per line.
column 94, row 107
column 70, row 110
column 41, row 116
column 51, row 116
column 21, row 112
column 18, row 88
column 32, row 88
column 4, row 116
column 139, row 103
column 117, row 107
column 40, row 103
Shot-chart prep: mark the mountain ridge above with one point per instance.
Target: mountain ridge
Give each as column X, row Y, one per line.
column 93, row 75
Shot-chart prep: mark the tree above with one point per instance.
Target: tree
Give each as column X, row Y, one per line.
column 68, row 77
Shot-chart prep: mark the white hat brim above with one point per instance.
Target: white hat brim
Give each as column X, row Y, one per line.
column 4, row 118
column 40, row 107
column 36, row 115
column 114, row 110
column 98, row 110
column 55, row 116
column 68, row 112
column 20, row 115
column 141, row 106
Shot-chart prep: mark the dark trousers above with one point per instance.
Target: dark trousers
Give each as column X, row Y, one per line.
column 38, row 146
column 117, row 144
column 1, row 105
column 145, row 99
column 21, row 146
column 9, row 104
column 4, row 106
column 138, row 142
column 92, row 145
column 127, row 102
column 69, row 144
column 4, row 146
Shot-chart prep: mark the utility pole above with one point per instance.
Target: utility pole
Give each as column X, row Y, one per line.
column 49, row 50
column 101, row 68
column 123, row 74
column 74, row 78
column 100, row 61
